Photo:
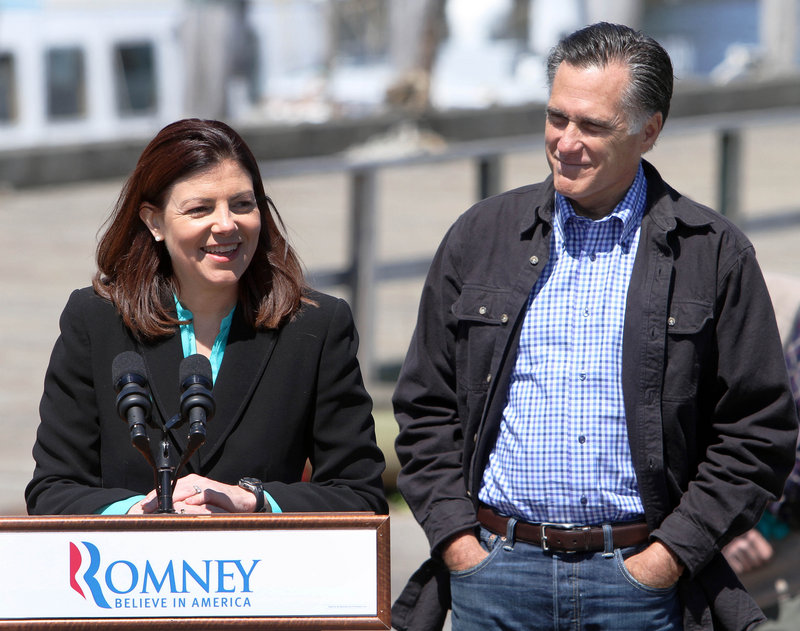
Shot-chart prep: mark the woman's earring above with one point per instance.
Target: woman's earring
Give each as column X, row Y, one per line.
column 158, row 238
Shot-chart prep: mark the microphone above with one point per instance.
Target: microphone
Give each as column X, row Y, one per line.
column 133, row 400
column 197, row 402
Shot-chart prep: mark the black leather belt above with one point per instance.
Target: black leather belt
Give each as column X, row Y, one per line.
column 565, row 537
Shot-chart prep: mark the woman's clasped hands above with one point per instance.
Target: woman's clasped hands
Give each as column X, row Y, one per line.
column 197, row 495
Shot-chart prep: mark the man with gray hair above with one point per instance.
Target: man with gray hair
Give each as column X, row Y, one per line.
column 594, row 400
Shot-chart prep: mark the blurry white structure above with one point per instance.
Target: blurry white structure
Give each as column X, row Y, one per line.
column 740, row 61
column 547, row 26
column 77, row 71
column 780, row 35
column 74, row 71
column 474, row 69
column 549, row 21
column 293, row 42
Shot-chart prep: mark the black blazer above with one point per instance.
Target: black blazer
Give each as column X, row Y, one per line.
column 282, row 396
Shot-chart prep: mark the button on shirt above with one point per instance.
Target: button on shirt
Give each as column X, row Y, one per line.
column 562, row 452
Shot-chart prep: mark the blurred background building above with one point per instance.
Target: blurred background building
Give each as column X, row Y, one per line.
column 76, row 71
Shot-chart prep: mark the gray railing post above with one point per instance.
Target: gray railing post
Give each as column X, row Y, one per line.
column 489, row 173
column 729, row 179
column 363, row 231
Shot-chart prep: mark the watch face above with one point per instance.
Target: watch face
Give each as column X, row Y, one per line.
column 252, row 484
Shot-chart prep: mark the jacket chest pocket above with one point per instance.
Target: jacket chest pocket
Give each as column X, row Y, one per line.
column 481, row 316
column 690, row 327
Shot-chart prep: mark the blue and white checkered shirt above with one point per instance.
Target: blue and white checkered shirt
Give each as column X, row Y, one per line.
column 562, row 452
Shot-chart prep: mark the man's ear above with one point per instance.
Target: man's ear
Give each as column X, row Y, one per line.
column 652, row 128
column 151, row 217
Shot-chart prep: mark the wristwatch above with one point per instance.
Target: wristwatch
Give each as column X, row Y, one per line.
column 254, row 486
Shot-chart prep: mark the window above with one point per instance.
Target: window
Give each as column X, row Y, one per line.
column 66, row 83
column 8, row 100
column 135, row 80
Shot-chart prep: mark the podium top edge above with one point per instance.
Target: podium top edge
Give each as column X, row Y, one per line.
column 282, row 521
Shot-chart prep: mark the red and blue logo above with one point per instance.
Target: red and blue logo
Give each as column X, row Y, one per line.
column 88, row 577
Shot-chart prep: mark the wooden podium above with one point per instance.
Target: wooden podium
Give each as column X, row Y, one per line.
column 289, row 571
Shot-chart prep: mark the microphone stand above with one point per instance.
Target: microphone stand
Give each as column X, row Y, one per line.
column 165, row 472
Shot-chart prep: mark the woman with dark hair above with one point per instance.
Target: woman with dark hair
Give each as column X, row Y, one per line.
column 194, row 260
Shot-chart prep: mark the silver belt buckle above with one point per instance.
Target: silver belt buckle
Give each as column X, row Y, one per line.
column 548, row 524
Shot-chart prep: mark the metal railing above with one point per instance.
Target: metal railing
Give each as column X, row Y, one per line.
column 363, row 271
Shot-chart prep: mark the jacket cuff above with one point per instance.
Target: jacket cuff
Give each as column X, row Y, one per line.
column 689, row 543
column 446, row 518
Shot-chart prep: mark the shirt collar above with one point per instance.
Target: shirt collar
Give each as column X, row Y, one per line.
column 184, row 315
column 189, row 342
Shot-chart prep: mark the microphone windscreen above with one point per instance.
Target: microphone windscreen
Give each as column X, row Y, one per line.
column 195, row 365
column 127, row 363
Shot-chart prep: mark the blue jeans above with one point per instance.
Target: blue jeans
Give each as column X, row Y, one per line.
column 519, row 586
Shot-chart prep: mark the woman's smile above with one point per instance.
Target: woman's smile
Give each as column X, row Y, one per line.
column 222, row 251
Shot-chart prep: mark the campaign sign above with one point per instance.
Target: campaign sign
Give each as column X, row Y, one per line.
column 189, row 568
